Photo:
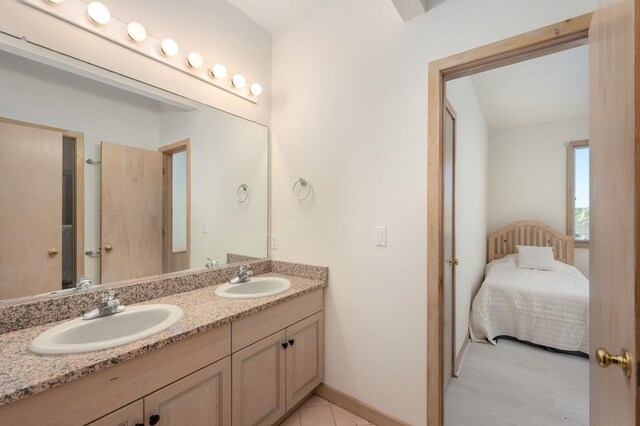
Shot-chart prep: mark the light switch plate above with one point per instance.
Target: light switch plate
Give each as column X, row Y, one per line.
column 274, row 242
column 381, row 236
column 205, row 227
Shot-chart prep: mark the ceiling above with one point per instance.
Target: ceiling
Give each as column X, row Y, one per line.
column 550, row 88
column 274, row 15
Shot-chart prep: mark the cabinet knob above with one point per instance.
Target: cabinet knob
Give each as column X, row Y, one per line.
column 153, row 420
column 285, row 345
column 291, row 341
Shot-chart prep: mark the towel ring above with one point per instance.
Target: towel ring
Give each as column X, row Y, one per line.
column 243, row 188
column 304, row 184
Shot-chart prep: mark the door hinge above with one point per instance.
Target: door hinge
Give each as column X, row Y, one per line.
column 163, row 233
column 164, row 171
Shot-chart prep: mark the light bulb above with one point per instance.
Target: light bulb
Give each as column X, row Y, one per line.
column 98, row 13
column 136, row 31
column 195, row 60
column 238, row 81
column 55, row 1
column 169, row 47
column 255, row 89
column 218, row 71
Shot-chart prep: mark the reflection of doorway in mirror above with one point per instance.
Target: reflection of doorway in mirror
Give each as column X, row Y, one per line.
column 176, row 206
column 42, row 209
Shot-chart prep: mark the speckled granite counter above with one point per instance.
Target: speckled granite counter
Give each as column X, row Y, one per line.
column 23, row 373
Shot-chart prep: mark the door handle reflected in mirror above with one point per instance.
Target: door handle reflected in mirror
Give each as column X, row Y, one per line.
column 453, row 261
column 53, row 251
column 108, row 248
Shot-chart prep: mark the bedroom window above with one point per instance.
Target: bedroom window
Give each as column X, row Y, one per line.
column 578, row 192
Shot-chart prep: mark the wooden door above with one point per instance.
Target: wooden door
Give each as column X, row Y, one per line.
column 202, row 398
column 30, row 210
column 305, row 358
column 448, row 242
column 259, row 382
column 613, row 204
column 131, row 213
column 129, row 415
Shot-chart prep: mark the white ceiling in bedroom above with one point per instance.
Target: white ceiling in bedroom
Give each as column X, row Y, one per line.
column 550, row 88
column 273, row 15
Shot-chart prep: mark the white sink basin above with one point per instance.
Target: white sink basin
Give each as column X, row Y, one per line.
column 255, row 287
column 76, row 336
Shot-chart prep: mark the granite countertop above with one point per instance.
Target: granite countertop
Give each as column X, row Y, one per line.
column 23, row 373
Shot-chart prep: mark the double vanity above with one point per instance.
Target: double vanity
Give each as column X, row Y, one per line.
column 242, row 354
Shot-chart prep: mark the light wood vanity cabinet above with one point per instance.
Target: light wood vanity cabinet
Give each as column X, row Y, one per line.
column 201, row 398
column 273, row 374
column 249, row 372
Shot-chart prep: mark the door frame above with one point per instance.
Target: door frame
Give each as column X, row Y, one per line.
column 78, row 198
column 544, row 41
column 167, row 197
column 449, row 108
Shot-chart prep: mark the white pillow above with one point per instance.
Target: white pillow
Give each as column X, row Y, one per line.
column 540, row 258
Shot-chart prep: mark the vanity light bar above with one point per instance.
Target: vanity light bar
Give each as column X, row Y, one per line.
column 96, row 18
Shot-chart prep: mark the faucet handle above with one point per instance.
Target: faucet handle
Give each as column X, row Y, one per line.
column 244, row 269
column 107, row 296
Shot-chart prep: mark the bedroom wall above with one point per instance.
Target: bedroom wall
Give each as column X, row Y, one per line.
column 471, row 180
column 528, row 175
column 349, row 113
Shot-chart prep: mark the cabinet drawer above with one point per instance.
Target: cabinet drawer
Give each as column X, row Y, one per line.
column 257, row 326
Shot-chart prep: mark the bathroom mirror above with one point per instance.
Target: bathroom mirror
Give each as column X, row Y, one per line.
column 102, row 182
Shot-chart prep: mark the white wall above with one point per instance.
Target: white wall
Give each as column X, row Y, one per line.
column 225, row 153
column 49, row 97
column 349, row 113
column 179, row 200
column 471, row 193
column 528, row 175
column 216, row 29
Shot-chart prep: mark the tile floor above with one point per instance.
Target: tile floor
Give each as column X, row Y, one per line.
column 319, row 412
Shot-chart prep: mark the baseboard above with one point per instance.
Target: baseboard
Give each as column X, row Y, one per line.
column 460, row 356
column 357, row 407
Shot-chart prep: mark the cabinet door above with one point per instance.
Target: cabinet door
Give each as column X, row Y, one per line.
column 202, row 398
column 305, row 357
column 258, row 382
column 129, row 415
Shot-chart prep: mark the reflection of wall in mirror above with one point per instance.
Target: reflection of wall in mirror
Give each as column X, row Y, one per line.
column 225, row 152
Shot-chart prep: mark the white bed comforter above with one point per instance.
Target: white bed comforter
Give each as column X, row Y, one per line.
column 549, row 308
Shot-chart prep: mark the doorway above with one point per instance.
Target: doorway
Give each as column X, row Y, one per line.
column 176, row 211
column 615, row 18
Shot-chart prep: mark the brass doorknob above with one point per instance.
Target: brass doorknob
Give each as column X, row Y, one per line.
column 453, row 261
column 53, row 251
column 623, row 360
column 108, row 248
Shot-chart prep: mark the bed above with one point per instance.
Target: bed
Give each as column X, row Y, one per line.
column 548, row 308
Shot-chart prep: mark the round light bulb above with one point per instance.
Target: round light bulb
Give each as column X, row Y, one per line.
column 136, row 31
column 98, row 13
column 218, row 71
column 195, row 60
column 169, row 47
column 238, row 81
column 255, row 89
column 55, row 1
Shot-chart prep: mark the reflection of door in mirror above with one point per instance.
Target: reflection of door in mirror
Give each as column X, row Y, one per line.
column 176, row 206
column 40, row 224
column 131, row 212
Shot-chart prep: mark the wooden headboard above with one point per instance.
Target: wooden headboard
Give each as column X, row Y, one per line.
column 529, row 233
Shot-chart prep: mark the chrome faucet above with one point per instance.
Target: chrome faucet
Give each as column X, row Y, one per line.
column 244, row 275
column 83, row 283
column 211, row 263
column 109, row 305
